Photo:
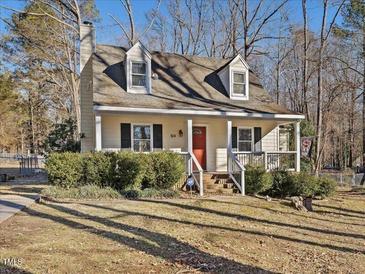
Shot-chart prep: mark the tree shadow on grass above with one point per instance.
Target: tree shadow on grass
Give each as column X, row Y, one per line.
column 293, row 212
column 249, row 218
column 341, row 209
column 7, row 269
column 231, row 229
column 312, row 215
column 162, row 246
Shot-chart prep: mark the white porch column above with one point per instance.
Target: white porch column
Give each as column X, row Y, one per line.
column 190, row 136
column 297, row 146
column 98, row 132
column 229, row 136
column 229, row 143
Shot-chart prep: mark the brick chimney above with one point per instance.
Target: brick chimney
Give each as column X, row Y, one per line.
column 87, row 43
column 87, row 48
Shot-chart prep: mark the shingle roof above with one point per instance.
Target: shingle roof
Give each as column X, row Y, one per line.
column 184, row 82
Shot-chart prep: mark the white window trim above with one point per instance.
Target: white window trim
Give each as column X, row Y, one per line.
column 233, row 95
column 143, row 56
column 132, row 134
column 252, row 139
column 238, row 83
column 145, row 87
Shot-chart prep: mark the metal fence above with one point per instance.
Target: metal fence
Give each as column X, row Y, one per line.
column 347, row 179
column 30, row 164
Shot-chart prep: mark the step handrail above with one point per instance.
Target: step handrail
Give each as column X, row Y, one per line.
column 198, row 183
column 232, row 160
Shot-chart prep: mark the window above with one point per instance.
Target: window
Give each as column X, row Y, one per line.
column 239, row 84
column 142, row 138
column 245, row 139
column 139, row 74
column 284, row 139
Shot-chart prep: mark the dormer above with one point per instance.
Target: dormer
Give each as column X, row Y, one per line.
column 138, row 69
column 235, row 78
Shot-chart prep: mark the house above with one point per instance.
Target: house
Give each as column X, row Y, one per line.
column 213, row 111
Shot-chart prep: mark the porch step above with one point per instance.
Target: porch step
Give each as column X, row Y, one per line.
column 219, row 183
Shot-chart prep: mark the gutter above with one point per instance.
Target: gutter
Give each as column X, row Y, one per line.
column 254, row 115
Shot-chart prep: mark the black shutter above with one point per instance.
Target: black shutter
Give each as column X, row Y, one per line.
column 234, row 137
column 157, row 136
column 257, row 139
column 125, row 134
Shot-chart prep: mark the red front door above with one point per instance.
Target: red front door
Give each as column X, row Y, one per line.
column 200, row 145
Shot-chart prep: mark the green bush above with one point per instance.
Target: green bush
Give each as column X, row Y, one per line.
column 132, row 194
column 96, row 169
column 123, row 171
column 257, row 179
column 300, row 184
column 282, row 184
column 163, row 170
column 306, row 165
column 327, row 187
column 126, row 171
column 64, row 169
column 304, row 184
column 83, row 192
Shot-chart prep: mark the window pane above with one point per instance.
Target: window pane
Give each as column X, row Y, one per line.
column 138, row 80
column 244, row 146
column 238, row 78
column 245, row 134
column 239, row 89
column 141, row 132
column 142, row 145
column 139, row 68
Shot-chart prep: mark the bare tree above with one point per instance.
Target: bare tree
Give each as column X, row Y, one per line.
column 323, row 39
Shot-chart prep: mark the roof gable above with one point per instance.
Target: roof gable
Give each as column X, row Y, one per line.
column 182, row 82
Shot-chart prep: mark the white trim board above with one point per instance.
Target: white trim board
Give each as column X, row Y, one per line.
column 254, row 115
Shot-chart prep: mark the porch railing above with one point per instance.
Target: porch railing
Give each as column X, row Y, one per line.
column 270, row 160
column 196, row 173
column 236, row 171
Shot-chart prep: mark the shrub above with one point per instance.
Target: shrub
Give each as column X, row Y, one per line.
column 257, row 179
column 149, row 173
column 164, row 170
column 306, row 165
column 83, row 192
column 62, row 138
column 64, row 169
column 282, row 184
column 126, row 171
column 132, row 194
column 304, row 184
column 96, row 169
column 326, row 187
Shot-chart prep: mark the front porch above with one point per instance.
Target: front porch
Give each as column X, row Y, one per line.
column 229, row 144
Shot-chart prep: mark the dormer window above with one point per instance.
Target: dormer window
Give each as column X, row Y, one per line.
column 139, row 74
column 239, row 83
column 138, row 69
column 235, row 78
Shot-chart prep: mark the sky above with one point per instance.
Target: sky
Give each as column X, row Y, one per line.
column 108, row 33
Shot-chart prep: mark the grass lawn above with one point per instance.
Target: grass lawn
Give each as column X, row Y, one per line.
column 213, row 234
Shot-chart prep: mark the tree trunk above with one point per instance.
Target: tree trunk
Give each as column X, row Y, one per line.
column 305, row 59
column 319, row 85
column 363, row 97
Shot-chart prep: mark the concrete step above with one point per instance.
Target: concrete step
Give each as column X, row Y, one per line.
column 221, row 185
column 225, row 191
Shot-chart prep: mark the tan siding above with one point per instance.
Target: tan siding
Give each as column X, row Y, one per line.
column 216, row 133
column 270, row 141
